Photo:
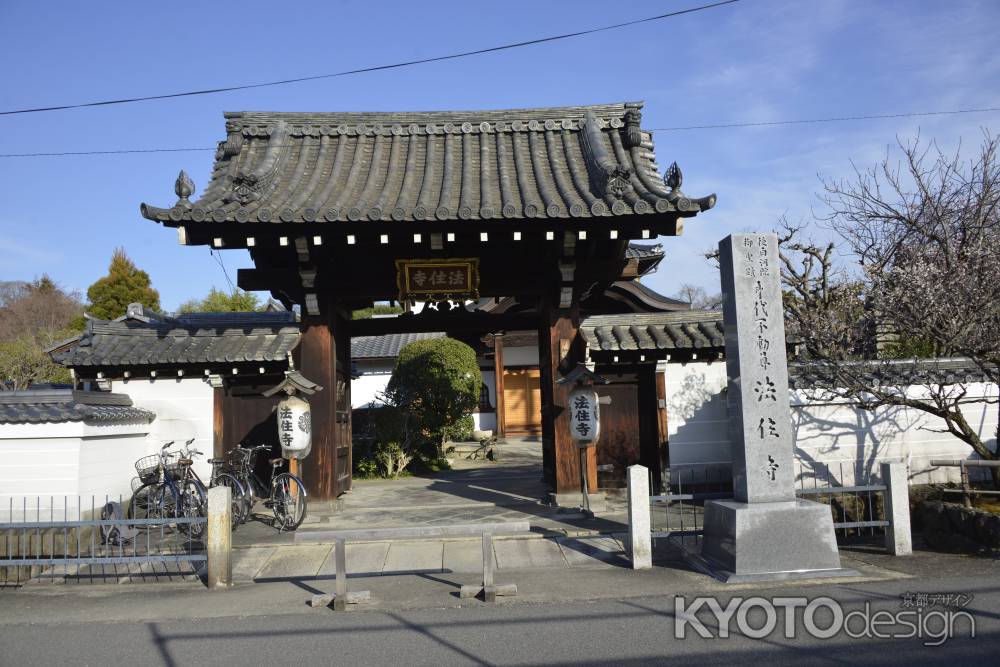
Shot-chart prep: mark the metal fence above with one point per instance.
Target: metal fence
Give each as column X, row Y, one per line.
column 858, row 510
column 69, row 538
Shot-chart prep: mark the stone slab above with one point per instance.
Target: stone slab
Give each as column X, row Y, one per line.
column 760, row 427
column 362, row 558
column 528, row 554
column 248, row 562
column 465, row 556
column 586, row 552
column 294, row 562
column 415, row 556
column 765, row 541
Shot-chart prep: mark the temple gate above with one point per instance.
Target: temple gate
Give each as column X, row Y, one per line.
column 339, row 210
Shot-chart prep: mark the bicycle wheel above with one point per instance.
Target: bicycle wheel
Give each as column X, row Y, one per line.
column 143, row 503
column 193, row 504
column 237, row 494
column 249, row 497
column 288, row 501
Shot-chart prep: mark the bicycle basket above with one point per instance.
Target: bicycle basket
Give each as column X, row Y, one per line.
column 177, row 469
column 148, row 468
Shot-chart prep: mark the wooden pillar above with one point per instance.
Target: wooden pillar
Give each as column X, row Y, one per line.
column 662, row 416
column 218, row 423
column 560, row 348
column 322, row 351
column 498, row 371
column 649, row 428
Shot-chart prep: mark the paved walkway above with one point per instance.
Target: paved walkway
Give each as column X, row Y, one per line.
column 507, row 490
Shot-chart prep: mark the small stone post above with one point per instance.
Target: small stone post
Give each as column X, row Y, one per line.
column 640, row 542
column 897, row 509
column 220, row 537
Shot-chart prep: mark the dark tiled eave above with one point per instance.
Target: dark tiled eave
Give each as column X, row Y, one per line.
column 689, row 331
column 888, row 373
column 198, row 341
column 570, row 162
column 387, row 346
column 68, row 405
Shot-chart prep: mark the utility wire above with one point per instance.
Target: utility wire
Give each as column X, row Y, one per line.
column 375, row 68
column 822, row 120
column 837, row 119
column 218, row 258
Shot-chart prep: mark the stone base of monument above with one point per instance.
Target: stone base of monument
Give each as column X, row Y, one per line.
column 749, row 542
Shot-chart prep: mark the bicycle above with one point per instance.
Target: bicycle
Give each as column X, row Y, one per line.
column 219, row 477
column 286, row 496
column 167, row 491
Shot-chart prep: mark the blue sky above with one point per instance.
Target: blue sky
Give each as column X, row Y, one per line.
column 753, row 61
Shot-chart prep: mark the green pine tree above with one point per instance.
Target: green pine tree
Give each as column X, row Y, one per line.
column 217, row 301
column 125, row 283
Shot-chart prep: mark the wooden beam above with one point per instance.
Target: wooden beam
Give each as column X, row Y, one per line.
column 498, row 371
column 462, row 322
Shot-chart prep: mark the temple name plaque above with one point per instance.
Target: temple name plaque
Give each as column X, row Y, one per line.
column 437, row 279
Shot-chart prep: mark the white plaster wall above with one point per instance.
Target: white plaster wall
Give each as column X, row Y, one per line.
column 697, row 418
column 833, row 439
column 375, row 376
column 520, row 356
column 836, row 440
column 55, row 470
column 184, row 409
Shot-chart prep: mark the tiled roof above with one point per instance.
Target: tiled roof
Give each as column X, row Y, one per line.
column 194, row 338
column 386, row 347
column 640, row 251
column 581, row 162
column 681, row 330
column 890, row 373
column 35, row 406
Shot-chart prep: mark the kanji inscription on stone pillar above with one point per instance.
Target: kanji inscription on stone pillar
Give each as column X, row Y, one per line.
column 759, row 415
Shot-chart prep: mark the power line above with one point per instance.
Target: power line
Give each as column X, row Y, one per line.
column 836, row 119
column 111, row 152
column 218, row 258
column 374, row 68
column 909, row 114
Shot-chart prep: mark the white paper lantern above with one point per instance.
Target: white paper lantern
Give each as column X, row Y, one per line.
column 294, row 428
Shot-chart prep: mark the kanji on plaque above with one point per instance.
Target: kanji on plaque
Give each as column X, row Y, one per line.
column 437, row 279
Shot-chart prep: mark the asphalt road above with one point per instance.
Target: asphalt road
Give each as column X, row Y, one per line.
column 622, row 632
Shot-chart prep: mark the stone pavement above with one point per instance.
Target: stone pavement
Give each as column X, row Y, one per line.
column 507, row 490
column 510, row 489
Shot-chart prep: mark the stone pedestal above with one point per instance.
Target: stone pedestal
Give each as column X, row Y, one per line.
column 765, row 533
column 746, row 542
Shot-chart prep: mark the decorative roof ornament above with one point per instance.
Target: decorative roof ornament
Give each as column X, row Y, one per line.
column 183, row 188
column 673, row 178
column 618, row 181
column 246, row 188
column 633, row 131
column 603, row 166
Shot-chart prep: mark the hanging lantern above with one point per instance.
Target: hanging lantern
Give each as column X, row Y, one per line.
column 294, row 428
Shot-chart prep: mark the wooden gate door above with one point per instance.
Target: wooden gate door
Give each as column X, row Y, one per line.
column 618, row 446
column 522, row 401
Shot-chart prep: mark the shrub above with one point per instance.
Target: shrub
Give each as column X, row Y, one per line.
column 435, row 382
column 461, row 431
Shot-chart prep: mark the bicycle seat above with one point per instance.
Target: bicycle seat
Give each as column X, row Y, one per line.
column 276, row 462
column 215, row 461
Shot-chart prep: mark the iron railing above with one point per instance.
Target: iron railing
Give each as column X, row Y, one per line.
column 65, row 539
column 858, row 510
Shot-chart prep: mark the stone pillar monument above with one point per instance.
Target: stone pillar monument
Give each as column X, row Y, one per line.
column 765, row 532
